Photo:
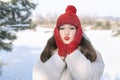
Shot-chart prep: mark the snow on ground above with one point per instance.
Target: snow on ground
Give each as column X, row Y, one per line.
column 110, row 49
column 18, row 64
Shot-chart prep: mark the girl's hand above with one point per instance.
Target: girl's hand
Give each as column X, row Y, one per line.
column 63, row 58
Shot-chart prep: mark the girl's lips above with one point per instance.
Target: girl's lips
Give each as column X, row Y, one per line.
column 66, row 38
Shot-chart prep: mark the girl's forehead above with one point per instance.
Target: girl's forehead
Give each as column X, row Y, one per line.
column 67, row 25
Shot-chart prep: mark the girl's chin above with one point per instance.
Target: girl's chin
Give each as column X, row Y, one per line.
column 66, row 42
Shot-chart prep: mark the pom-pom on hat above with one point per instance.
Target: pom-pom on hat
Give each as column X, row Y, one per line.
column 69, row 17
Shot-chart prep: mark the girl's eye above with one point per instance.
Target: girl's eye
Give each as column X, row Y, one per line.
column 61, row 28
column 72, row 28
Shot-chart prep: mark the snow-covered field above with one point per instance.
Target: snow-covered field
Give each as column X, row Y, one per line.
column 18, row 64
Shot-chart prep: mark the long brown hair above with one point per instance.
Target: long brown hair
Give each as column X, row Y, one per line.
column 85, row 47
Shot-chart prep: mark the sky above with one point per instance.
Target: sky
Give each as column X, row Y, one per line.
column 84, row 7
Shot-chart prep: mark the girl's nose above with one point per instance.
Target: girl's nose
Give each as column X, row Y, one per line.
column 66, row 32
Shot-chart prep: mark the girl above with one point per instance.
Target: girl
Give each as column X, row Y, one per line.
column 69, row 55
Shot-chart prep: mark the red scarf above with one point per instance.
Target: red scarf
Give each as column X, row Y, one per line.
column 63, row 49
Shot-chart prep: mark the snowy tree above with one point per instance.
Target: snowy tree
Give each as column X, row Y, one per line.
column 14, row 16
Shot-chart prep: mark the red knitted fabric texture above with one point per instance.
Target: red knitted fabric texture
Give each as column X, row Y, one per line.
column 69, row 17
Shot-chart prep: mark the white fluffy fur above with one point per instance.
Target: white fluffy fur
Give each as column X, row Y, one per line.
column 75, row 67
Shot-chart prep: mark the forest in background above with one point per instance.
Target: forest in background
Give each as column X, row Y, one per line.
column 87, row 22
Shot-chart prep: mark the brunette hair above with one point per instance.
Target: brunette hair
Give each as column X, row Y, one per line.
column 85, row 47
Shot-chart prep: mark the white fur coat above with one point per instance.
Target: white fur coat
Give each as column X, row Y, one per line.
column 75, row 67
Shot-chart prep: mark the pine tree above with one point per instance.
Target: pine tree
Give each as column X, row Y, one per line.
column 14, row 16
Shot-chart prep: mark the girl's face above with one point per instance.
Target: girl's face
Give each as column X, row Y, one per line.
column 67, row 33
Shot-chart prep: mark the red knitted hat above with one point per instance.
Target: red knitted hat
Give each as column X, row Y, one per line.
column 69, row 17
